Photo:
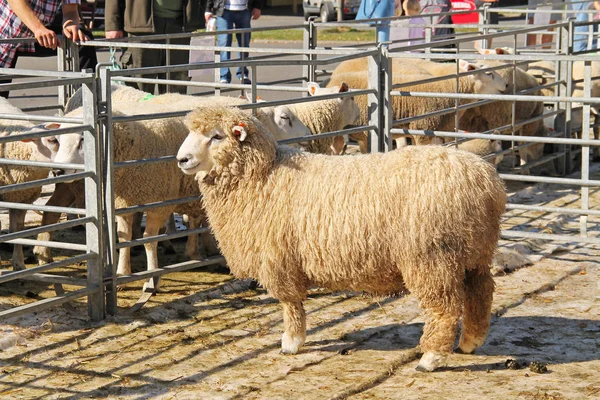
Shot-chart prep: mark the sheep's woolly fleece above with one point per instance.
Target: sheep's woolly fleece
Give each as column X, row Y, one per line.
column 406, row 106
column 425, row 219
column 10, row 174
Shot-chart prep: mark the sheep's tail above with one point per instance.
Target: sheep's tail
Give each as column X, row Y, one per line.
column 479, row 289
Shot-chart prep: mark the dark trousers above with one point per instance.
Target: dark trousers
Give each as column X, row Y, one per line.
column 140, row 58
column 87, row 55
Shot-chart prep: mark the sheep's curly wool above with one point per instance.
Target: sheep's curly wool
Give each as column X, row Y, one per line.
column 425, row 218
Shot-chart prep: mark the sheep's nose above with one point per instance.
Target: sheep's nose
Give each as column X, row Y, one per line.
column 183, row 160
column 58, row 172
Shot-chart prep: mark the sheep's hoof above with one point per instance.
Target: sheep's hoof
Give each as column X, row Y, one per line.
column 18, row 266
column 468, row 345
column 291, row 344
column 430, row 362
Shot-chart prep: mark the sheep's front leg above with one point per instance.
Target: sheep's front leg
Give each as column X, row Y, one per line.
column 16, row 224
column 63, row 196
column 124, row 229
column 153, row 224
column 294, row 322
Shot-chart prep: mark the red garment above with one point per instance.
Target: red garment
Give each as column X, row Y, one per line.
column 11, row 26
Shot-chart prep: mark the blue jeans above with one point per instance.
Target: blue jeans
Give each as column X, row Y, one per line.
column 581, row 32
column 231, row 20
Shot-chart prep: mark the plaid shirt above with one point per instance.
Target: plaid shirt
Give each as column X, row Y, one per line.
column 11, row 26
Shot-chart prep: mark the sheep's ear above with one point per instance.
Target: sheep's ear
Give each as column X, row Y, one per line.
column 486, row 52
column 239, row 131
column 466, row 66
column 51, row 125
column 343, row 87
column 313, row 88
column 504, row 50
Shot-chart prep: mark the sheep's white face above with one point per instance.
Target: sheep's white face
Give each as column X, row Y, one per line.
column 288, row 124
column 486, row 82
column 349, row 108
column 194, row 155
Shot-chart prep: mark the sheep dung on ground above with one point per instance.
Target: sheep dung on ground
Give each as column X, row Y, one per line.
column 424, row 219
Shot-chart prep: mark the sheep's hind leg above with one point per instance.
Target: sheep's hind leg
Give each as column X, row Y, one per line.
column 479, row 289
column 443, row 307
column 16, row 224
column 294, row 321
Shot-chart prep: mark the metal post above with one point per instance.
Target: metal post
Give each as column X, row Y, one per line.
column 566, row 74
column 109, row 193
column 340, row 10
column 585, row 150
column 373, row 99
column 387, row 114
column 217, row 71
column 168, row 62
column 486, row 23
column 63, row 94
column 309, row 42
column 93, row 201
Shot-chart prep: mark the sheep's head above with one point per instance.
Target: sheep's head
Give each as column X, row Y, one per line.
column 225, row 144
column 486, row 82
column 349, row 109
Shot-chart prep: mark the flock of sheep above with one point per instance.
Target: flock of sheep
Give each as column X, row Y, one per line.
column 424, row 219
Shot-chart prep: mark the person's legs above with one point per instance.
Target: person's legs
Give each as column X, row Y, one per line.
column 242, row 21
column 177, row 57
column 139, row 58
column 224, row 40
column 581, row 32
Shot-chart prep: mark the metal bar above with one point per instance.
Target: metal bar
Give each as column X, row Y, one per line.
column 7, row 276
column 546, row 236
column 145, row 161
column 40, row 164
column 556, row 210
column 183, row 266
column 39, row 84
column 46, row 243
column 489, row 136
column 49, row 278
column 585, row 150
column 45, row 181
column 45, row 228
column 84, row 77
column 161, row 237
column 46, row 303
column 499, row 97
column 247, row 106
column 329, row 134
column 39, row 134
column 149, row 206
column 38, row 207
column 543, row 179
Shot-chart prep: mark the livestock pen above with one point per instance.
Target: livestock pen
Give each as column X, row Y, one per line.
column 206, row 335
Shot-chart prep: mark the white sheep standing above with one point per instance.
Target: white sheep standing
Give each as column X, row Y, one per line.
column 408, row 106
column 324, row 116
column 425, row 218
column 9, row 174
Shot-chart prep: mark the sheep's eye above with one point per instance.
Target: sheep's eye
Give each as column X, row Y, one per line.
column 52, row 140
column 216, row 137
column 490, row 74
